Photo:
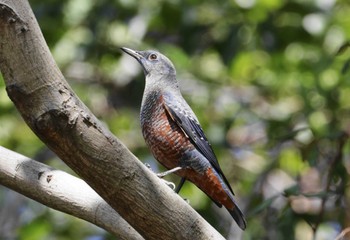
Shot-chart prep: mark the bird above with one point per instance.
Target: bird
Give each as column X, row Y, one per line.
column 174, row 135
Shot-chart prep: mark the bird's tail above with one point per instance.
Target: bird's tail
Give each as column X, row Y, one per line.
column 237, row 215
column 214, row 186
column 234, row 210
column 230, row 203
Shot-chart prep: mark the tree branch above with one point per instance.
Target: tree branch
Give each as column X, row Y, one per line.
column 53, row 111
column 60, row 191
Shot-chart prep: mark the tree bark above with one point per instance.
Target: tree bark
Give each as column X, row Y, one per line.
column 57, row 116
column 61, row 191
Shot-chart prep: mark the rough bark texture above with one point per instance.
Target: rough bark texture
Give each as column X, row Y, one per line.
column 57, row 116
column 61, row 191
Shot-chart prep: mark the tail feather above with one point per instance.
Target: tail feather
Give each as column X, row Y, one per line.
column 238, row 217
column 234, row 210
column 213, row 185
column 236, row 213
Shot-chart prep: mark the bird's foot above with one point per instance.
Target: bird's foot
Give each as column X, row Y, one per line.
column 148, row 166
column 163, row 174
column 170, row 184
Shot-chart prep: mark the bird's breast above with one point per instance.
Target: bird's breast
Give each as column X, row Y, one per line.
column 163, row 136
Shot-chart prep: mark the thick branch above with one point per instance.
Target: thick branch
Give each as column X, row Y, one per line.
column 57, row 116
column 61, row 191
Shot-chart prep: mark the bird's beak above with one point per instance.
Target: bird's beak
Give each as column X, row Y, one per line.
column 132, row 53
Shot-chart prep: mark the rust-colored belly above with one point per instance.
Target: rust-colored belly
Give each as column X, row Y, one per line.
column 164, row 137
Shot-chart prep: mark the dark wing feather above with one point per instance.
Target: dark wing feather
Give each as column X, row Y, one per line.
column 194, row 132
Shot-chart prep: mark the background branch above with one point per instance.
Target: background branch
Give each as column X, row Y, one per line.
column 61, row 191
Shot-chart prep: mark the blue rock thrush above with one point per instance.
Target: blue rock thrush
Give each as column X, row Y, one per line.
column 174, row 135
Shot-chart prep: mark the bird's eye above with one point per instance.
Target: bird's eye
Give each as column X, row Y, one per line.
column 153, row 56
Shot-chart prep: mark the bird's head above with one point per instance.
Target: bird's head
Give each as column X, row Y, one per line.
column 152, row 62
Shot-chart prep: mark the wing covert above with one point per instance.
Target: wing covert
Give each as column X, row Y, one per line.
column 192, row 129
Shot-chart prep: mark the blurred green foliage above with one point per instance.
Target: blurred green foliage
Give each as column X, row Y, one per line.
column 268, row 80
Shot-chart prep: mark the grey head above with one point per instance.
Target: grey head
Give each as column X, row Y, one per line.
column 152, row 62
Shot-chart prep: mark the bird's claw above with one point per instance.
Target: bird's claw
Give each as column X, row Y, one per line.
column 170, row 184
column 161, row 175
column 147, row 165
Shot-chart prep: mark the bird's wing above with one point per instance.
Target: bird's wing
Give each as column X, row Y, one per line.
column 192, row 129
